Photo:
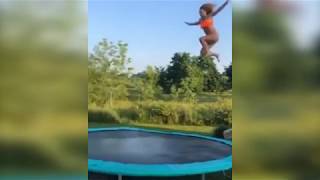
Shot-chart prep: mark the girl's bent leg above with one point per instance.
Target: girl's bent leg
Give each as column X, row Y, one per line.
column 205, row 47
column 212, row 42
column 203, row 52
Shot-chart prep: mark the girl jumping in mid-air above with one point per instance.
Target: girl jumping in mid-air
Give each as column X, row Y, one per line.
column 207, row 11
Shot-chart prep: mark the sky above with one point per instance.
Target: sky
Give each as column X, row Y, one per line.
column 155, row 30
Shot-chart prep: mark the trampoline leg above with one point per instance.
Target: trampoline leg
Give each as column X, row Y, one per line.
column 203, row 176
column 119, row 177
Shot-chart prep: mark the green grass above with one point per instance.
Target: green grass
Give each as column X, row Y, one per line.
column 206, row 130
column 161, row 112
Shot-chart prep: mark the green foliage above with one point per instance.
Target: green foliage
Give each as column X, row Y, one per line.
column 187, row 75
column 132, row 113
column 145, row 84
column 216, row 113
column 180, row 68
column 186, row 90
column 108, row 73
column 111, row 84
column 211, row 76
column 174, row 93
column 160, row 112
column 103, row 115
column 227, row 78
column 110, row 57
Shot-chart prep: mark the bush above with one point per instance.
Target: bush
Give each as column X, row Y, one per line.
column 187, row 113
column 103, row 115
column 223, row 116
column 217, row 113
column 129, row 113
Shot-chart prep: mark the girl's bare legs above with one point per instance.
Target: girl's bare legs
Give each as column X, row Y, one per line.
column 210, row 53
column 205, row 48
column 203, row 52
column 207, row 42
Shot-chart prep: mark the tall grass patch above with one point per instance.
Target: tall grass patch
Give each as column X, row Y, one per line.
column 164, row 112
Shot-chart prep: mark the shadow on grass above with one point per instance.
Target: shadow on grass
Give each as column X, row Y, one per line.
column 227, row 175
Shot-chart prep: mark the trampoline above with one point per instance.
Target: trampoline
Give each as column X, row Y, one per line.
column 121, row 153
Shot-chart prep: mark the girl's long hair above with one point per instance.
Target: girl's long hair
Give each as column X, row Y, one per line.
column 208, row 7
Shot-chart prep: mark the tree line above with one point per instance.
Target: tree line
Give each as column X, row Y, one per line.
column 111, row 77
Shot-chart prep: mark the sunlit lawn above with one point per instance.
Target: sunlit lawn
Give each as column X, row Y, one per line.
column 208, row 130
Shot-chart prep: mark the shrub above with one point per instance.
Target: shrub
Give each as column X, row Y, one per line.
column 129, row 113
column 103, row 115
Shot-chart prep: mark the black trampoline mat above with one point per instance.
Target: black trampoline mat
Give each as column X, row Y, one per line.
column 129, row 146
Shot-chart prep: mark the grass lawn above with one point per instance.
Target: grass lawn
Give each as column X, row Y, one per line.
column 206, row 130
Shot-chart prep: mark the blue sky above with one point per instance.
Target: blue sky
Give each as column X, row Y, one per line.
column 155, row 30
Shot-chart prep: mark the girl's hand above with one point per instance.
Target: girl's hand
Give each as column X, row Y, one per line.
column 220, row 8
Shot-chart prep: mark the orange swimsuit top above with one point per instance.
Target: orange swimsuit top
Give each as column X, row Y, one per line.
column 206, row 23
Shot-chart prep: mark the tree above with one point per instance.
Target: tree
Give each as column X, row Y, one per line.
column 186, row 92
column 182, row 66
column 163, row 81
column 227, row 77
column 178, row 68
column 108, row 73
column 147, row 83
column 212, row 77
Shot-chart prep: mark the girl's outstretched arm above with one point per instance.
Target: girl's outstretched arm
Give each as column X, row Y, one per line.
column 193, row 23
column 220, row 8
